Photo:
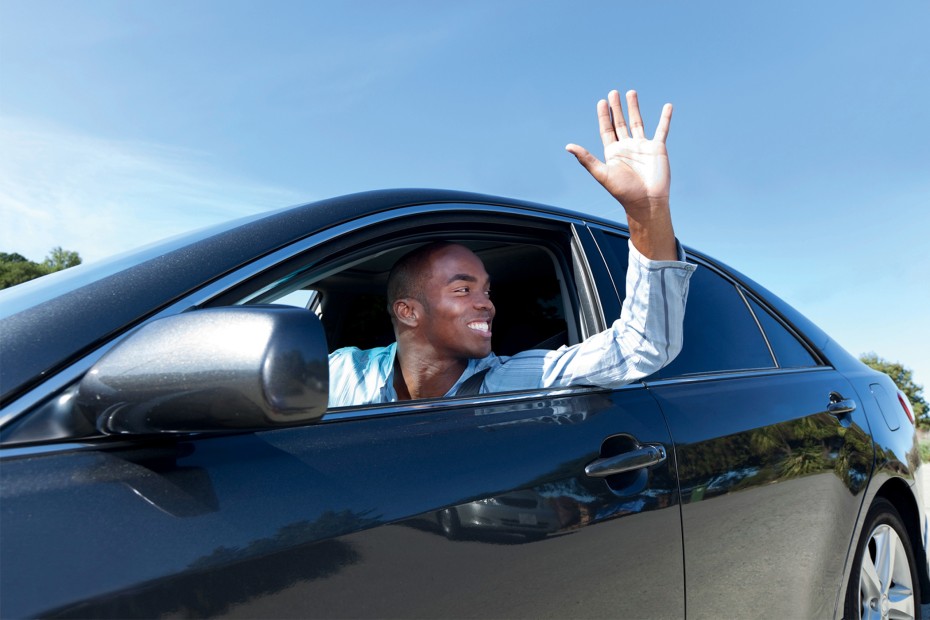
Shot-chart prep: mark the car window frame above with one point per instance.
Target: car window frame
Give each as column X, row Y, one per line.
column 577, row 272
column 553, row 246
column 750, row 297
column 217, row 291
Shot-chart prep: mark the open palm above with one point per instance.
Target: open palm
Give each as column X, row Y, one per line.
column 635, row 169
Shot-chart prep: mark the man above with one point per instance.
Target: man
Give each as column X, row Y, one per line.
column 440, row 305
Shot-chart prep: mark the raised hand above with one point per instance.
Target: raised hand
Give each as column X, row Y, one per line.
column 635, row 171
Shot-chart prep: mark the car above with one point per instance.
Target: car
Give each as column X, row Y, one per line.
column 167, row 449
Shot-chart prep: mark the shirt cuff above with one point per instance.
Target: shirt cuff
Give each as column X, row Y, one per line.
column 648, row 263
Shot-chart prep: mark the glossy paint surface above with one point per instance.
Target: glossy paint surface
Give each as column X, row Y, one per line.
column 296, row 519
column 772, row 485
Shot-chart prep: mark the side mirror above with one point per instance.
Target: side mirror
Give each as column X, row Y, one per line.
column 221, row 369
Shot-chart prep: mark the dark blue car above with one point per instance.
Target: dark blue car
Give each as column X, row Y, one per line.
column 166, row 449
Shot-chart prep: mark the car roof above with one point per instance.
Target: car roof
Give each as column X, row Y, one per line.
column 50, row 322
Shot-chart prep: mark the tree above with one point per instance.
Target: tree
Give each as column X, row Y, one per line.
column 12, row 258
column 16, row 268
column 903, row 378
column 17, row 272
column 60, row 258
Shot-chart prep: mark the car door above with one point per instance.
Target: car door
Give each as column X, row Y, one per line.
column 476, row 506
column 773, row 454
column 342, row 519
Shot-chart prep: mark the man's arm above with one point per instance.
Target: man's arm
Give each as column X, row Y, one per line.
column 636, row 172
column 649, row 333
column 647, row 336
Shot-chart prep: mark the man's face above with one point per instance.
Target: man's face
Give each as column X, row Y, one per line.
column 458, row 310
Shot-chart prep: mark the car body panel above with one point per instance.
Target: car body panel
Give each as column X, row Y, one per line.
column 161, row 526
column 783, row 473
column 801, row 475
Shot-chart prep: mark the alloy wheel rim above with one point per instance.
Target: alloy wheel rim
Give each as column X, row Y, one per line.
column 885, row 586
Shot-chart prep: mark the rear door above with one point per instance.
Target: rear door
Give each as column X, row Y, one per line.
column 771, row 479
column 469, row 507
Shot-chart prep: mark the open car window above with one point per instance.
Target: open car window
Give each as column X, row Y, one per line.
column 527, row 289
column 533, row 284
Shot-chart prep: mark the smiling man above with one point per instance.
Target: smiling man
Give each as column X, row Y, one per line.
column 440, row 304
column 442, row 312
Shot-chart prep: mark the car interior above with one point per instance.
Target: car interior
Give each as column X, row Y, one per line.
column 527, row 288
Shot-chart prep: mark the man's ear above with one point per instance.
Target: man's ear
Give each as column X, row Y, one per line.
column 407, row 311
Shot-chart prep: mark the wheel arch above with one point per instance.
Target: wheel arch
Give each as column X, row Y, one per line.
column 897, row 491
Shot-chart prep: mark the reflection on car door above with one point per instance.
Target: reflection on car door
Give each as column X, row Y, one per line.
column 498, row 469
column 761, row 462
column 764, row 466
column 340, row 519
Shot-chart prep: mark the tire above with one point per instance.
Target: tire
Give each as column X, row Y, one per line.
column 884, row 581
column 449, row 522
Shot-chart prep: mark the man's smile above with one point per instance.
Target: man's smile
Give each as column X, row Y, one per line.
column 482, row 327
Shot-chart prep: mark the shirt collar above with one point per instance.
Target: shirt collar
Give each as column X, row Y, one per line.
column 388, row 394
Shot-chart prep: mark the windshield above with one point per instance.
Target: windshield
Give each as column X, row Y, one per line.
column 28, row 294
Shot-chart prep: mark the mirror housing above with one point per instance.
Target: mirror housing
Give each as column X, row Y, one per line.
column 219, row 369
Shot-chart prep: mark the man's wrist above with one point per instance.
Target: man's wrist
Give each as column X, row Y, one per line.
column 647, row 209
column 651, row 229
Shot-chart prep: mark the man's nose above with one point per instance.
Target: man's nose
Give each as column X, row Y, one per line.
column 484, row 302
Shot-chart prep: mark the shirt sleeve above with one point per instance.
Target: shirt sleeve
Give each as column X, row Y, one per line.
column 360, row 377
column 647, row 336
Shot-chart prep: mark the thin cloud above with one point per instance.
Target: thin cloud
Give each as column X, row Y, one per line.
column 100, row 197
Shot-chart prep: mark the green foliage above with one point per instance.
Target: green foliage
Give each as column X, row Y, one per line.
column 17, row 272
column 925, row 451
column 59, row 259
column 12, row 258
column 903, row 378
column 16, row 268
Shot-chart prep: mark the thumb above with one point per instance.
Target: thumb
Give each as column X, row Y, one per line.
column 591, row 163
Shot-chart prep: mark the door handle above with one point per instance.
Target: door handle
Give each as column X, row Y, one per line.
column 840, row 406
column 643, row 456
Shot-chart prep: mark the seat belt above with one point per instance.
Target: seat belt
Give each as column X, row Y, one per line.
column 472, row 385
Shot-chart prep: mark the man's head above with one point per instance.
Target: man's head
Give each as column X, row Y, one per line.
column 439, row 301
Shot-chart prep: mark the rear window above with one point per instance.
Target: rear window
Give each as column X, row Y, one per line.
column 789, row 351
column 720, row 332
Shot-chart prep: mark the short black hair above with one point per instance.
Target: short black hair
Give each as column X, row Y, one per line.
column 410, row 272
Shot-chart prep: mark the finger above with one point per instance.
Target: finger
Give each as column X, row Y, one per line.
column 591, row 163
column 664, row 121
column 616, row 110
column 608, row 135
column 636, row 121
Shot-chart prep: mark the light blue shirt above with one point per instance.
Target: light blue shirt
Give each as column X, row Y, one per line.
column 646, row 337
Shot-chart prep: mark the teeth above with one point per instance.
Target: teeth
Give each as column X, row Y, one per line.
column 481, row 327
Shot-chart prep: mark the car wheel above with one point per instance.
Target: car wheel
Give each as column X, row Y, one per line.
column 449, row 522
column 884, row 582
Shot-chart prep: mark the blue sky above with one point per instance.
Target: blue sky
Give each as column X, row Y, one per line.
column 800, row 142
